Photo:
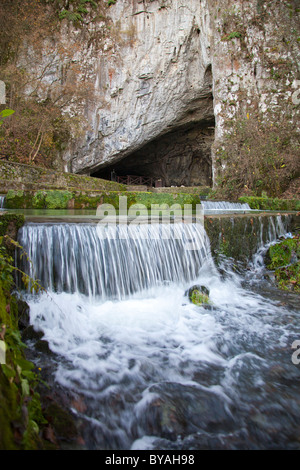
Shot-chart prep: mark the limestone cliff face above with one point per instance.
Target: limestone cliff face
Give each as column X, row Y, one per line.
column 143, row 71
column 147, row 80
column 155, row 81
column 255, row 63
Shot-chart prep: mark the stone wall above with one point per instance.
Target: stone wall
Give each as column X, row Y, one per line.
column 240, row 237
column 20, row 177
column 72, row 199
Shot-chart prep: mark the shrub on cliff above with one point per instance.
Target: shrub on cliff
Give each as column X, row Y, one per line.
column 258, row 156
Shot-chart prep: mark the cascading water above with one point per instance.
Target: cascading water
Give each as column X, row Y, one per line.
column 221, row 206
column 2, row 201
column 112, row 262
column 150, row 369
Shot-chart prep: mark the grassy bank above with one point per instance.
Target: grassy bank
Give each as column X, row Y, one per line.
column 272, row 204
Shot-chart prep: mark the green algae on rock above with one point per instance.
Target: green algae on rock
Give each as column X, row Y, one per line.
column 199, row 295
column 284, row 259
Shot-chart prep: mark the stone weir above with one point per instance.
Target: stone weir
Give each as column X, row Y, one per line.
column 238, row 236
column 33, row 187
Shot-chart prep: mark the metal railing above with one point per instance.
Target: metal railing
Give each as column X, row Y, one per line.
column 135, row 180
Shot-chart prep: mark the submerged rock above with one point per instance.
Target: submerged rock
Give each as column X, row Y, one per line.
column 179, row 410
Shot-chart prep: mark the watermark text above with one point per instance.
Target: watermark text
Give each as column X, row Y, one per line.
column 2, row 92
column 158, row 221
column 296, row 354
column 2, row 352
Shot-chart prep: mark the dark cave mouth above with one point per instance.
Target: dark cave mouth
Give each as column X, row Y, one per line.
column 181, row 157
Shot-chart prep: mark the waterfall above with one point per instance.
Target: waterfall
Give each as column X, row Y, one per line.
column 2, row 201
column 115, row 261
column 224, row 206
column 144, row 368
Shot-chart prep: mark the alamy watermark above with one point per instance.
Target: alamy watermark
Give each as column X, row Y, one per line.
column 160, row 221
column 2, row 352
column 296, row 354
column 2, row 92
column 296, row 94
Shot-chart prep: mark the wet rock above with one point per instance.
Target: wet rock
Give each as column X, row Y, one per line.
column 283, row 259
column 61, row 421
column 30, row 334
column 23, row 314
column 179, row 410
column 274, row 427
column 43, row 346
column 198, row 295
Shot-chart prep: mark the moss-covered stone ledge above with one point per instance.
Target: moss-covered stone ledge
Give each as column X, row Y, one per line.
column 272, row 204
column 239, row 237
column 57, row 199
column 18, row 176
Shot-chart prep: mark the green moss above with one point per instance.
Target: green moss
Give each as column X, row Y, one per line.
column 61, row 420
column 10, row 224
column 284, row 259
column 14, row 199
column 20, row 408
column 38, row 200
column 199, row 298
column 199, row 295
column 34, row 177
column 57, row 199
column 84, row 200
column 236, row 237
column 18, row 430
column 63, row 199
column 148, row 199
column 273, row 204
column 281, row 253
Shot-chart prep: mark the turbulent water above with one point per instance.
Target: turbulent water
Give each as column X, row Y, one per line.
column 150, row 369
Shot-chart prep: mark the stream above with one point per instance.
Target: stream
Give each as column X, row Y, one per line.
column 152, row 370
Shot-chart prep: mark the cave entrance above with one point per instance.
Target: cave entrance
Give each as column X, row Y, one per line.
column 181, row 157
